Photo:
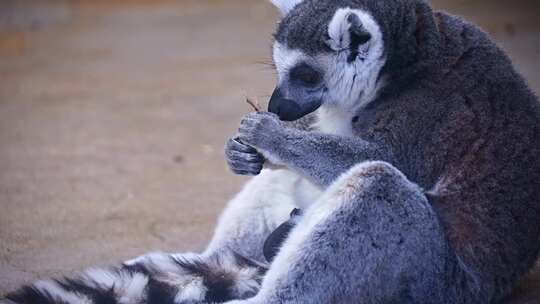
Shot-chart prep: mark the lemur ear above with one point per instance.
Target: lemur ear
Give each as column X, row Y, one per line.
column 346, row 32
column 285, row 6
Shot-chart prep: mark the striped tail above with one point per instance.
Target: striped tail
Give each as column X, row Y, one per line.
column 153, row 278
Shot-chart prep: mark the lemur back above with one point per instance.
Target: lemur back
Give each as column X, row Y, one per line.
column 469, row 134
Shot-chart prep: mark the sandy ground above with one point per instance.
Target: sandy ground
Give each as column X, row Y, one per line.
column 113, row 118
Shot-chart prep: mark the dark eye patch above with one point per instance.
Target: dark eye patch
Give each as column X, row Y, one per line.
column 305, row 74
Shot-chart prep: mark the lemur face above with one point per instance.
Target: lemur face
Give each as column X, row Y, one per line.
column 325, row 55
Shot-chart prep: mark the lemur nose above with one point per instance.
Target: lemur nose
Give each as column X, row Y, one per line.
column 286, row 109
column 273, row 105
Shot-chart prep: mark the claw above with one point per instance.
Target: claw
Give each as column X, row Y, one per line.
column 238, row 145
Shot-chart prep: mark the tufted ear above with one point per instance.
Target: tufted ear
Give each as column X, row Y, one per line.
column 349, row 30
column 346, row 31
column 285, row 6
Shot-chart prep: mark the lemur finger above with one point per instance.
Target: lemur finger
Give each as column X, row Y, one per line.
column 248, row 173
column 246, row 132
column 235, row 144
column 244, row 172
column 247, row 157
column 244, row 168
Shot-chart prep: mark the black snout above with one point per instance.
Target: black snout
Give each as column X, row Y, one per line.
column 287, row 109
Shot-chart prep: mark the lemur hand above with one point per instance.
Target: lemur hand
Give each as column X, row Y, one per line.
column 258, row 134
column 261, row 130
column 243, row 159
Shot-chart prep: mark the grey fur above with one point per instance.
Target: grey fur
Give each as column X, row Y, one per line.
column 458, row 121
column 366, row 250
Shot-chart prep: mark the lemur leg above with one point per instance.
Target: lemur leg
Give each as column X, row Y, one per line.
column 264, row 203
column 371, row 238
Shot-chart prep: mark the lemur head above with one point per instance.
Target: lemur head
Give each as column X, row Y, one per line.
column 332, row 53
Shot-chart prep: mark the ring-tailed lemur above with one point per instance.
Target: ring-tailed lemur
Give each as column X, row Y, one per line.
column 419, row 180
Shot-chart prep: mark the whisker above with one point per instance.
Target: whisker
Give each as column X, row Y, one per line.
column 266, row 63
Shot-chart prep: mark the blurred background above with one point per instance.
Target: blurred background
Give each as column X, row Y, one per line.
column 113, row 115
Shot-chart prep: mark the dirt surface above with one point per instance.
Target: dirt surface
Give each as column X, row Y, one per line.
column 113, row 118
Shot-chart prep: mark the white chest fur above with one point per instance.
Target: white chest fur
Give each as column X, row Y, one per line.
column 334, row 120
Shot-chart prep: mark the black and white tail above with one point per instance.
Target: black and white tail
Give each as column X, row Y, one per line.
column 153, row 278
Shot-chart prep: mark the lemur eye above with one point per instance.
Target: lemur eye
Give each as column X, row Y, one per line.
column 305, row 74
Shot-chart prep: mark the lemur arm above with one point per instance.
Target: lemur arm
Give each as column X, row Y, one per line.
column 319, row 157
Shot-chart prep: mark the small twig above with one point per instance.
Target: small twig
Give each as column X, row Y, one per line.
column 253, row 105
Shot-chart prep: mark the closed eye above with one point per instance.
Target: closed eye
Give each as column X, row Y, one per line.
column 305, row 74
